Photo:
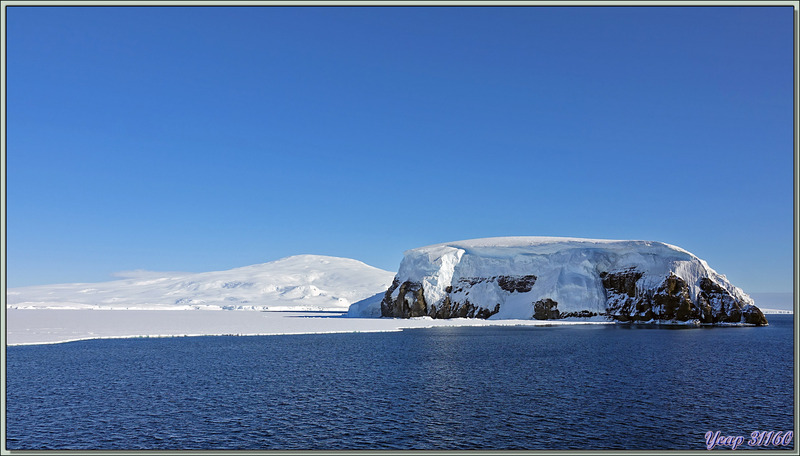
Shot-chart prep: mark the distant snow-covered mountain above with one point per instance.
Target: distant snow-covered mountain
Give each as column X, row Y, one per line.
column 302, row 282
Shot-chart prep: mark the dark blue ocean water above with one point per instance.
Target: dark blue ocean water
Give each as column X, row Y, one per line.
column 579, row 387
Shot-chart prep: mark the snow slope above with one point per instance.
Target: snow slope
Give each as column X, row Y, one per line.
column 508, row 277
column 302, row 282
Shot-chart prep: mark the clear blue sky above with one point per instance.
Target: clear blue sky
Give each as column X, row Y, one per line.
column 198, row 139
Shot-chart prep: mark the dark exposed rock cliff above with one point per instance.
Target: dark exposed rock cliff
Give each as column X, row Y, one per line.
column 410, row 298
column 672, row 301
column 546, row 309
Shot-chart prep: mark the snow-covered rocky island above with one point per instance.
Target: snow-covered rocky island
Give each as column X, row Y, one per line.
column 546, row 278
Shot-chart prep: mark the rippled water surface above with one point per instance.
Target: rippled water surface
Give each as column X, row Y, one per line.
column 576, row 387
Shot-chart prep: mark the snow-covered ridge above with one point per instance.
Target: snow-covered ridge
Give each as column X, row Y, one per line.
column 776, row 311
column 302, row 282
column 551, row 277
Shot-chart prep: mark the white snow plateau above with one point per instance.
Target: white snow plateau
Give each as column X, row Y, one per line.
column 297, row 283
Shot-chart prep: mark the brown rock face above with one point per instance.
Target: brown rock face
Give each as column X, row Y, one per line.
column 754, row 316
column 410, row 301
column 582, row 314
column 520, row 284
column 730, row 310
column 671, row 301
column 464, row 309
column 546, row 309
column 621, row 299
column 622, row 282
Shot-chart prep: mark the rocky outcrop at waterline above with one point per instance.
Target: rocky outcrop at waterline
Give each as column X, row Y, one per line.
column 672, row 301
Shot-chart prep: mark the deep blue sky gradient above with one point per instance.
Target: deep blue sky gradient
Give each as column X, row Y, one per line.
column 198, row 139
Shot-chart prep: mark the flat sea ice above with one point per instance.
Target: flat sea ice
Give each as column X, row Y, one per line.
column 26, row 326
